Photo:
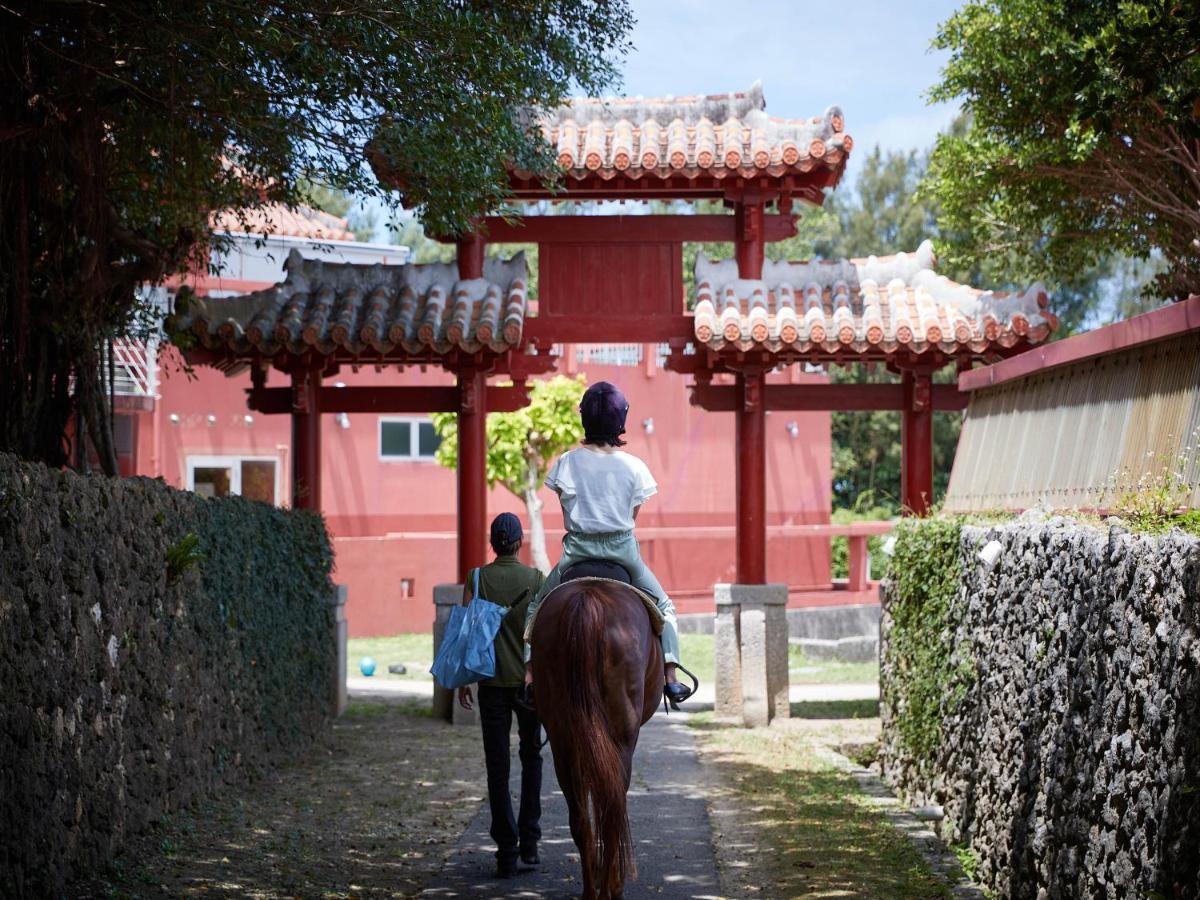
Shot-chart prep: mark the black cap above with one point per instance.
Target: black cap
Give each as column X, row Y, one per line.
column 506, row 531
column 603, row 410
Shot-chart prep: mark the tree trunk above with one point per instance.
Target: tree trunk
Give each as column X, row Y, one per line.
column 537, row 531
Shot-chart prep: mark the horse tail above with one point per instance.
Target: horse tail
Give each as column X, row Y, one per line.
column 598, row 769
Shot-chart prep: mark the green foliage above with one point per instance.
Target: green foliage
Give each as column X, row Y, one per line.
column 921, row 683
column 968, row 859
column 183, row 555
column 126, row 125
column 1082, row 139
column 863, row 512
column 1152, row 502
column 523, row 444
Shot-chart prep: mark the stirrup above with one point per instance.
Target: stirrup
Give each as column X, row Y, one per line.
column 668, row 702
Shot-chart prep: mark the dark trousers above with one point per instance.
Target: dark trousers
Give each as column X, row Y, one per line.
column 496, row 708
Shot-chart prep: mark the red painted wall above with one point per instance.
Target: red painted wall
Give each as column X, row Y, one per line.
column 365, row 499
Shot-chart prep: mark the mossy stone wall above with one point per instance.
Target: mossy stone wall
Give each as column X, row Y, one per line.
column 1051, row 703
column 134, row 681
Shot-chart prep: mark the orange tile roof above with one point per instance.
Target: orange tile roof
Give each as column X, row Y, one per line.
column 277, row 219
column 413, row 309
column 886, row 303
column 721, row 136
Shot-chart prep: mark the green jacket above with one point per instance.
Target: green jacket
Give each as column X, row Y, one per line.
column 508, row 582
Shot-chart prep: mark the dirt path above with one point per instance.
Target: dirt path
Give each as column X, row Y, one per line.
column 372, row 814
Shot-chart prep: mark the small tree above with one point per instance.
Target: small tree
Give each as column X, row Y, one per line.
column 522, row 445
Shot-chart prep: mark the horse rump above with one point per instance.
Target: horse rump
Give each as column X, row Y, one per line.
column 598, row 768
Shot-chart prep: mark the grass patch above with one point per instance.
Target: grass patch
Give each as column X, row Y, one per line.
column 792, row 825
column 413, row 650
column 696, row 651
column 836, row 709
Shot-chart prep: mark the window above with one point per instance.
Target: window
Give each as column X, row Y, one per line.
column 407, row 439
column 252, row 477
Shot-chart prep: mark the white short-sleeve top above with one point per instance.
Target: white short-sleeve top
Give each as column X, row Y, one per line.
column 600, row 491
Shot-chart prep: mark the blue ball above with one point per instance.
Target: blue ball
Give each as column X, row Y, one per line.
column 366, row 665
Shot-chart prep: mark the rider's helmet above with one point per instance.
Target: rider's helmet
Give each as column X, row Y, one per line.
column 603, row 410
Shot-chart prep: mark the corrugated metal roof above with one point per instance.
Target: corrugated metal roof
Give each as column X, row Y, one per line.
column 1083, row 434
column 885, row 303
column 414, row 309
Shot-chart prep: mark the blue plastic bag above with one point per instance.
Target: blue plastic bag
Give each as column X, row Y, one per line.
column 468, row 652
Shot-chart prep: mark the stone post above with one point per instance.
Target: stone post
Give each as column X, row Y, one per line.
column 445, row 704
column 445, row 598
column 727, row 641
column 752, row 653
column 338, row 601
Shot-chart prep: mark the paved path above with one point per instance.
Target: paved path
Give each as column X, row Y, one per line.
column 667, row 814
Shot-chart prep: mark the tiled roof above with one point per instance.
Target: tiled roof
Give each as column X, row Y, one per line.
column 365, row 309
column 722, row 135
column 277, row 219
column 886, row 303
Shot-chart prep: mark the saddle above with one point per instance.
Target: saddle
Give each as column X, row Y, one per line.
column 598, row 568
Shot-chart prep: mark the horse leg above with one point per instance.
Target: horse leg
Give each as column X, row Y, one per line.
column 615, row 878
column 580, row 832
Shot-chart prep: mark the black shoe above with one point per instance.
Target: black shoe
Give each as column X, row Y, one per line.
column 529, row 856
column 676, row 693
column 506, row 870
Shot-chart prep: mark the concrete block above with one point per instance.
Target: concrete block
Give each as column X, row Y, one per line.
column 756, row 703
column 862, row 648
column 727, row 661
column 831, row 623
column 445, row 598
column 778, row 703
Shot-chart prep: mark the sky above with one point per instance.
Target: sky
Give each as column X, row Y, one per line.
column 869, row 57
column 872, row 58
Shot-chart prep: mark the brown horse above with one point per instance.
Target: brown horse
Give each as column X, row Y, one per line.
column 597, row 678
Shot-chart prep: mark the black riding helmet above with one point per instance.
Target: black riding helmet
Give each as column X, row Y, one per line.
column 603, row 410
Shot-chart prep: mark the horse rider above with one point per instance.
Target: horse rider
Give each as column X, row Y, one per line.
column 601, row 488
column 508, row 582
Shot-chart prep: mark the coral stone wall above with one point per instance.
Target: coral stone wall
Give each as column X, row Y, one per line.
column 129, row 685
column 1064, row 744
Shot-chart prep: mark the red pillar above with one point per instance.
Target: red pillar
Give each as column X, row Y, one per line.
column 751, row 464
column 751, row 468
column 306, row 440
column 472, row 470
column 751, row 247
column 470, row 255
column 916, row 444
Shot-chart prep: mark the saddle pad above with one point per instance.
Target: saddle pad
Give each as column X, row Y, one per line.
column 656, row 616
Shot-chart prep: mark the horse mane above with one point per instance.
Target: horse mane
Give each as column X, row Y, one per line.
column 598, row 771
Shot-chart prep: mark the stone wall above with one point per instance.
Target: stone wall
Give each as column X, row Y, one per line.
column 1067, row 751
column 133, row 682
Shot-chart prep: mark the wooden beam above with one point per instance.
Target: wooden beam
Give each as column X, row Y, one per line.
column 551, row 329
column 827, row 397
column 406, row 399
column 628, row 229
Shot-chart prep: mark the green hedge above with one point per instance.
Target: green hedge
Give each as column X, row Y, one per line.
column 154, row 645
column 919, row 678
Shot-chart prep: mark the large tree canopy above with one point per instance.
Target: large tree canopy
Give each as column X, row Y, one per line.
column 1084, row 136
column 123, row 125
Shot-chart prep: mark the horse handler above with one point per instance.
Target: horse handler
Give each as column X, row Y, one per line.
column 508, row 582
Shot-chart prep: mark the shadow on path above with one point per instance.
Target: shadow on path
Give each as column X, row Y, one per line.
column 667, row 814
